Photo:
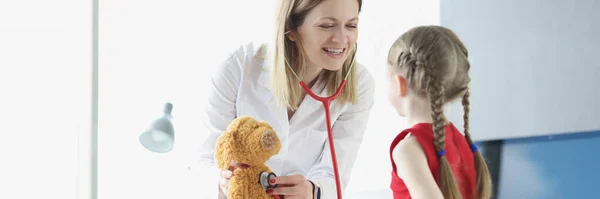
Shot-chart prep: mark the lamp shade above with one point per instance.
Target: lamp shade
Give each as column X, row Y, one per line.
column 160, row 137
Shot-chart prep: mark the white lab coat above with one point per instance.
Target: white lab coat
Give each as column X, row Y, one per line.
column 240, row 87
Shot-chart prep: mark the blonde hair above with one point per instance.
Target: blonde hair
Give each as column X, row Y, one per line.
column 284, row 85
column 435, row 64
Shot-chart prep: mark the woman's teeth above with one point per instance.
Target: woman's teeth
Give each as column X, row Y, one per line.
column 334, row 50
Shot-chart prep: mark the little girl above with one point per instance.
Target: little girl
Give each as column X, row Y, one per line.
column 428, row 69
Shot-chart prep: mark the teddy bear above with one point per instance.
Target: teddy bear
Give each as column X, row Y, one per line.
column 251, row 142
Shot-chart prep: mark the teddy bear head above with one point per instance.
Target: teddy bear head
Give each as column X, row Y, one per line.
column 246, row 141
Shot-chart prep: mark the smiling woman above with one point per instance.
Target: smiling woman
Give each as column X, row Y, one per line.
column 262, row 81
column 308, row 31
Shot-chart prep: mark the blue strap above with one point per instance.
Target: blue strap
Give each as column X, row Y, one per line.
column 474, row 148
column 441, row 153
column 318, row 192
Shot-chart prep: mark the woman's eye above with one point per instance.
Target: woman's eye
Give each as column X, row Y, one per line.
column 327, row 26
column 352, row 26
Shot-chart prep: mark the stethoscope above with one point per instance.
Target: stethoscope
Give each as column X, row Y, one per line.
column 265, row 177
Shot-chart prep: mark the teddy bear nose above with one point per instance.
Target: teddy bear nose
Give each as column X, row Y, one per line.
column 268, row 139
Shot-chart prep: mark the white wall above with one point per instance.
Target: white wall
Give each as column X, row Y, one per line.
column 45, row 96
column 534, row 65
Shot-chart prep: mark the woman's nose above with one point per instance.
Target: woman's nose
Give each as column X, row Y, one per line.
column 340, row 35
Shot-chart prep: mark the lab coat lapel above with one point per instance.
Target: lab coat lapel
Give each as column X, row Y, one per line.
column 310, row 104
column 279, row 112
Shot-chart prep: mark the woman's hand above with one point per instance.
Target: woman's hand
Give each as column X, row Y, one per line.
column 292, row 187
column 224, row 181
column 226, row 175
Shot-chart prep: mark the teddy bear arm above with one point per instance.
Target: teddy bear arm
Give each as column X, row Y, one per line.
column 237, row 189
column 246, row 186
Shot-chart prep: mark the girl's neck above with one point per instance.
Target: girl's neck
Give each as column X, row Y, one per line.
column 418, row 111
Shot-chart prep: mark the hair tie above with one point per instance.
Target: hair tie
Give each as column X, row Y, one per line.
column 474, row 148
column 441, row 153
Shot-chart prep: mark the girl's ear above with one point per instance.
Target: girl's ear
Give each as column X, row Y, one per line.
column 401, row 85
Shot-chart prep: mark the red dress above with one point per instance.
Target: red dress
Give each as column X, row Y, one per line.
column 458, row 154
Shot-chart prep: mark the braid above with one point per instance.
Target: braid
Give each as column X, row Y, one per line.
column 484, row 180
column 436, row 95
column 435, row 92
column 466, row 110
column 409, row 61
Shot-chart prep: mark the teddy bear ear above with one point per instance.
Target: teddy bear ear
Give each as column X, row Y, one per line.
column 224, row 151
column 269, row 140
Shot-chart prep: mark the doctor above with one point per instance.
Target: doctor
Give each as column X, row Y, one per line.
column 317, row 37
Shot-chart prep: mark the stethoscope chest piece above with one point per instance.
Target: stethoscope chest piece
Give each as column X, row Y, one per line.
column 264, row 178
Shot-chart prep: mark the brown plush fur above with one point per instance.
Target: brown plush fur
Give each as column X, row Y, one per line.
column 250, row 142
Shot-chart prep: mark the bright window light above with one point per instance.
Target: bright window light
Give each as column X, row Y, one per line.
column 45, row 94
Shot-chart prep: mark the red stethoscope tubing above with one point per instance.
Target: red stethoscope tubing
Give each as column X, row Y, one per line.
column 326, row 105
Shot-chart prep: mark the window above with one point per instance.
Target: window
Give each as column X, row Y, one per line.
column 45, row 94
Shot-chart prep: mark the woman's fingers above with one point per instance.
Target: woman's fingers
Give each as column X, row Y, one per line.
column 286, row 191
column 226, row 174
column 291, row 192
column 224, row 185
column 229, row 172
column 224, row 180
column 288, row 180
column 293, row 187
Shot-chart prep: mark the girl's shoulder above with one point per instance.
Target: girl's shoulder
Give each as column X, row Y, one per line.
column 407, row 156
